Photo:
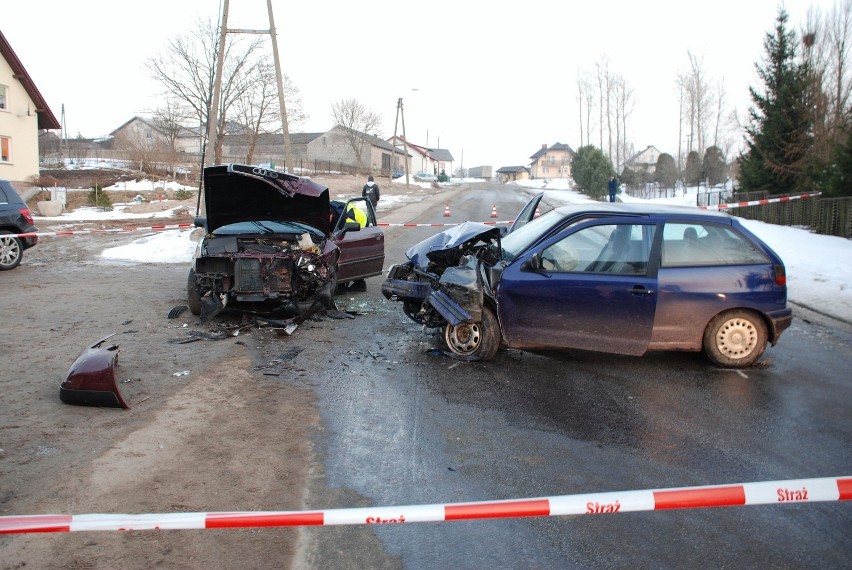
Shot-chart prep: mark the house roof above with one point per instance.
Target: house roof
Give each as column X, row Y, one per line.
column 553, row 147
column 439, row 154
column 46, row 119
column 633, row 158
column 512, row 169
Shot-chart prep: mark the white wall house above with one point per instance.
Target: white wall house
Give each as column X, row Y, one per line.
column 23, row 111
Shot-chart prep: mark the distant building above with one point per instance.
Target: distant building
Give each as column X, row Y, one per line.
column 513, row 173
column 483, row 172
column 643, row 161
column 424, row 159
column 552, row 162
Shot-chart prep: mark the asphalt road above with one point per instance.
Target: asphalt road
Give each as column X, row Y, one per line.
column 391, row 422
column 404, row 425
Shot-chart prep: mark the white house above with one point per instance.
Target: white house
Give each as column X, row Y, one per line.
column 643, row 161
column 23, row 111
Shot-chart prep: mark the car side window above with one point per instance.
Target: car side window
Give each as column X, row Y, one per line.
column 706, row 244
column 622, row 249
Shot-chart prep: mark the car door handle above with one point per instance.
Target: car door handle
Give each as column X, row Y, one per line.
column 641, row 290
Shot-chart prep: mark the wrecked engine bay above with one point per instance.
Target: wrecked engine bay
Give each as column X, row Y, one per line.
column 449, row 277
column 284, row 274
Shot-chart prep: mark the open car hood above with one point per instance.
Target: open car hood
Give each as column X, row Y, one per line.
column 241, row 193
column 466, row 233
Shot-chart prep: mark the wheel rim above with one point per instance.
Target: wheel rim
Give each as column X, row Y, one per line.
column 737, row 338
column 9, row 251
column 464, row 338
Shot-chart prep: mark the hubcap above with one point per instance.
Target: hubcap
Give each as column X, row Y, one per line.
column 9, row 251
column 736, row 338
column 464, row 338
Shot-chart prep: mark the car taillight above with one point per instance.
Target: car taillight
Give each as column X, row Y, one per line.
column 28, row 216
column 780, row 275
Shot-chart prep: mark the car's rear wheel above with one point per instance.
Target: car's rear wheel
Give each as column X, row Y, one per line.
column 193, row 294
column 474, row 341
column 11, row 251
column 735, row 339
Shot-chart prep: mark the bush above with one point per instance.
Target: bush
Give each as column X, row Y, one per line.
column 182, row 194
column 98, row 198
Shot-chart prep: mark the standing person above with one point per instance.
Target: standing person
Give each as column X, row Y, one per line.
column 613, row 187
column 371, row 191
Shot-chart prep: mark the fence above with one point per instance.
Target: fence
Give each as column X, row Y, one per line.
column 828, row 216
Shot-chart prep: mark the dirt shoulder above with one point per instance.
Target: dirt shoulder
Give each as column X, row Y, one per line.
column 233, row 434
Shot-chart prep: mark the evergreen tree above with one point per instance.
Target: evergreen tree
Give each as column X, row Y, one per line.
column 692, row 170
column 591, row 171
column 779, row 134
column 714, row 169
column 666, row 172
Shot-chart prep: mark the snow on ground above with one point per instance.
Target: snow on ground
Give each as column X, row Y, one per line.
column 819, row 268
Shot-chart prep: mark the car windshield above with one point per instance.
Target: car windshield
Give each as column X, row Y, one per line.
column 265, row 227
column 519, row 240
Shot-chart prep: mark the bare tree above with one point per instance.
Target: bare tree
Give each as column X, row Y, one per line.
column 623, row 110
column 682, row 98
column 169, row 120
column 357, row 120
column 188, row 64
column 585, row 97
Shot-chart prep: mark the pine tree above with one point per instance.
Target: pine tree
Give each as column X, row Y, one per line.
column 591, row 170
column 779, row 136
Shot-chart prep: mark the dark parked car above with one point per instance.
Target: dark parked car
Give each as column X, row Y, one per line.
column 274, row 245
column 15, row 218
column 618, row 278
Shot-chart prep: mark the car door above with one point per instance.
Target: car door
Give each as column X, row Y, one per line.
column 527, row 213
column 592, row 286
column 362, row 252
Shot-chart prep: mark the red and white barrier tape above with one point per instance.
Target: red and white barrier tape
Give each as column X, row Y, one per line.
column 759, row 202
column 384, row 225
column 760, row 493
column 105, row 231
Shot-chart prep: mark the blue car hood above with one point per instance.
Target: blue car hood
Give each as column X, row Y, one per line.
column 467, row 233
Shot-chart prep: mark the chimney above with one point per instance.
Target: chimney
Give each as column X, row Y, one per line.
column 544, row 146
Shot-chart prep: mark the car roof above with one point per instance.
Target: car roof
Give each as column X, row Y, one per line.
column 641, row 209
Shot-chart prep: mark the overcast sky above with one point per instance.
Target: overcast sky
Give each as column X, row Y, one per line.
column 491, row 82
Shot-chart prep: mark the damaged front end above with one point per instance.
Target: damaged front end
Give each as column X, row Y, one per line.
column 448, row 276
column 284, row 274
column 91, row 379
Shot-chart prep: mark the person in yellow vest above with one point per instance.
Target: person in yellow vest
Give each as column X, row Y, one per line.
column 356, row 214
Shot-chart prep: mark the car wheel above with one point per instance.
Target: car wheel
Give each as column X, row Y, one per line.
column 329, row 290
column 11, row 251
column 193, row 294
column 474, row 341
column 735, row 339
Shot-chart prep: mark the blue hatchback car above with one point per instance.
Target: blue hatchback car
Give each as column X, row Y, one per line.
column 618, row 278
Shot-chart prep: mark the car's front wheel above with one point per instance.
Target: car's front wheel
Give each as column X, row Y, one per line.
column 735, row 339
column 193, row 294
column 11, row 251
column 474, row 341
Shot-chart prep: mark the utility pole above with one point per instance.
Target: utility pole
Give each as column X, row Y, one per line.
column 288, row 157
column 213, row 112
column 217, row 85
column 401, row 115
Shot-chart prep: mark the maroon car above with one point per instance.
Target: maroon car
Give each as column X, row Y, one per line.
column 274, row 245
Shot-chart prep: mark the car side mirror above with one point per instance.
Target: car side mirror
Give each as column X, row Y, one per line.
column 349, row 226
column 532, row 264
column 199, row 221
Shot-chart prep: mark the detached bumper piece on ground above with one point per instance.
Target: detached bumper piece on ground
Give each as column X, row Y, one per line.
column 91, row 379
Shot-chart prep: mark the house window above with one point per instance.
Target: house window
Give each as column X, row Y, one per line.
column 5, row 149
column 4, row 105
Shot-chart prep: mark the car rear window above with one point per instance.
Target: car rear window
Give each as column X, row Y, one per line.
column 702, row 243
